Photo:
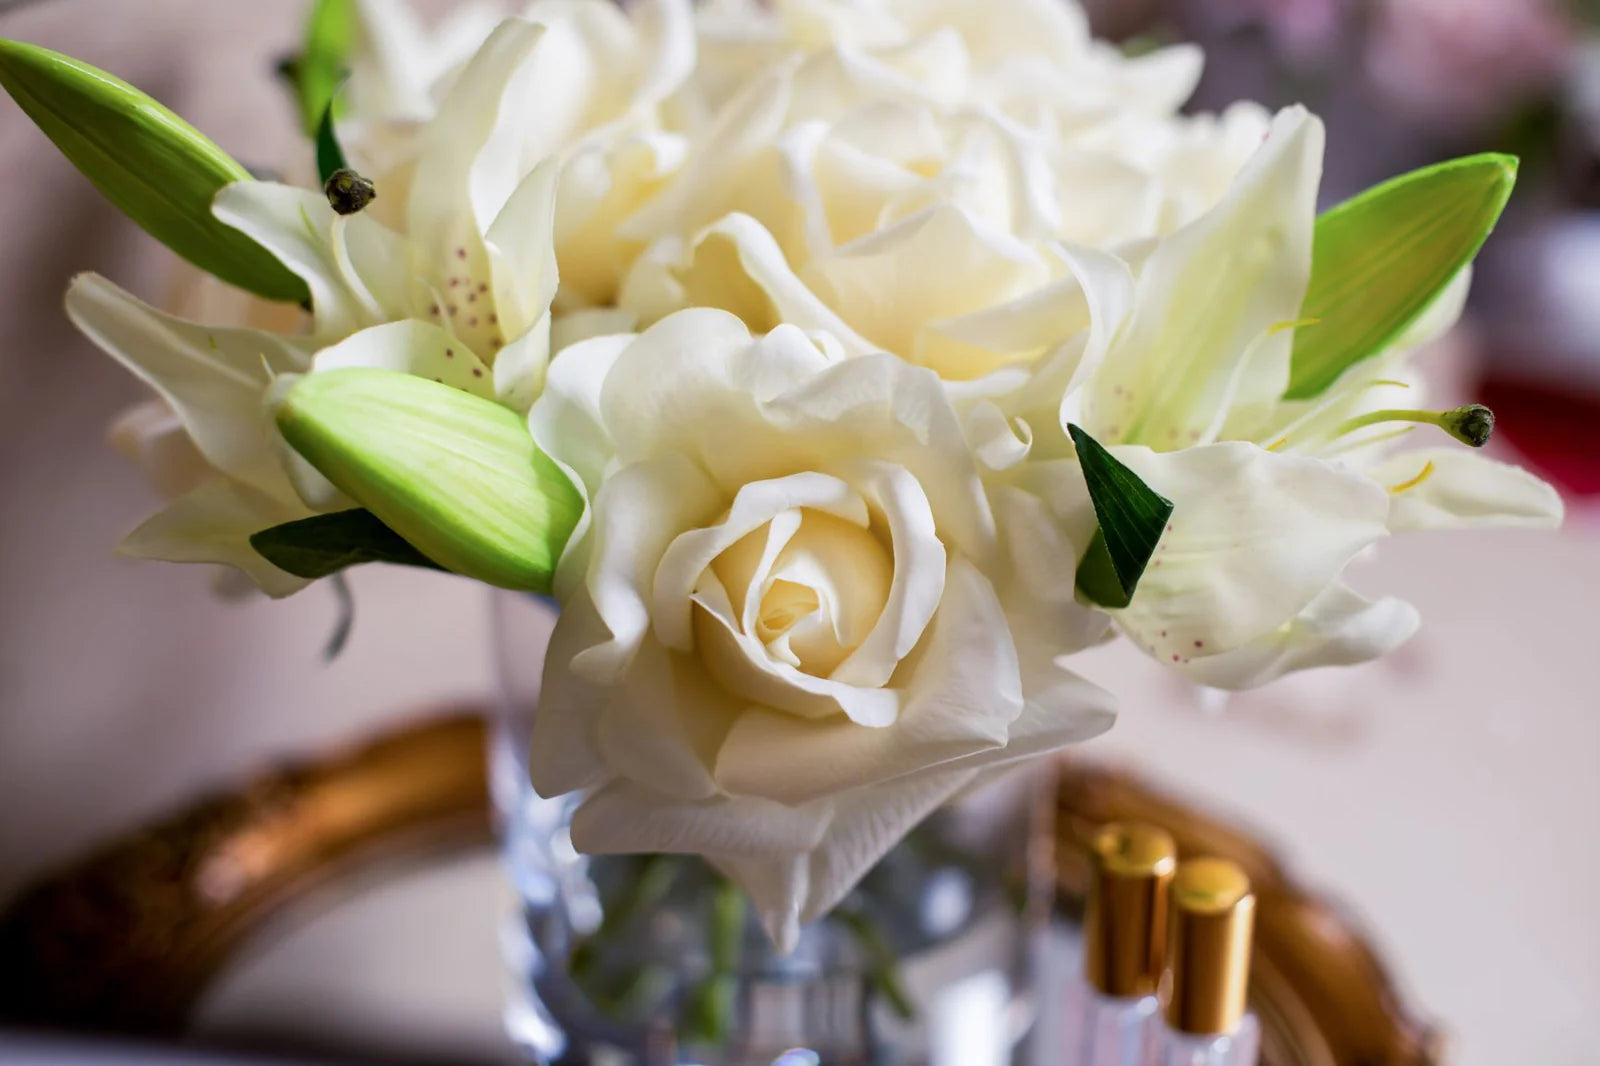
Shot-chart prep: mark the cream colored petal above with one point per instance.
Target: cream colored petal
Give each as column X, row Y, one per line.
column 522, row 252
column 1453, row 488
column 151, row 436
column 564, row 750
column 664, row 727
column 1338, row 628
column 621, row 818
column 213, row 524
column 1207, row 295
column 742, row 664
column 963, row 690
column 865, row 825
column 411, row 347
column 1254, row 538
column 881, row 408
column 463, row 175
column 934, row 266
column 736, row 264
column 917, row 585
column 755, row 504
column 635, row 516
column 566, row 422
column 359, row 273
column 214, row 379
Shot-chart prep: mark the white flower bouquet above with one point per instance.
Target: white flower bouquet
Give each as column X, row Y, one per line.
column 841, row 367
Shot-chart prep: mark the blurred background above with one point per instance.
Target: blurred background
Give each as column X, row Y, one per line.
column 1447, row 796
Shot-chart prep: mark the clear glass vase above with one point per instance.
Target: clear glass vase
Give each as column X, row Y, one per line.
column 655, row 961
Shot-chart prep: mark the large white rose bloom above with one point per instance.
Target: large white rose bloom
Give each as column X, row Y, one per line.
column 789, row 628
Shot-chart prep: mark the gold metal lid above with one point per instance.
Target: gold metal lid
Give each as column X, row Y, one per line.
column 1208, row 957
column 1125, row 925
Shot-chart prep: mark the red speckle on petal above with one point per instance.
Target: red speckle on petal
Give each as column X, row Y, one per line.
column 449, row 353
column 461, row 253
column 1176, row 659
column 472, row 323
column 1199, row 643
column 494, row 320
column 482, row 287
column 477, row 372
column 455, row 283
column 1163, row 632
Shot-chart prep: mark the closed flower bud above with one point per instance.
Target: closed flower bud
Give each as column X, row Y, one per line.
column 154, row 167
column 457, row 476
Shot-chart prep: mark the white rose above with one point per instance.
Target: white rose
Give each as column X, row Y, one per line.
column 789, row 629
column 903, row 176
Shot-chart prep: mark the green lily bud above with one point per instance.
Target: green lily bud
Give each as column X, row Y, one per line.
column 1380, row 259
column 153, row 166
column 1472, row 424
column 457, row 476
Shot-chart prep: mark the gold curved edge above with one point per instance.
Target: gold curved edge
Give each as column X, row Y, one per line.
column 1323, row 995
column 127, row 939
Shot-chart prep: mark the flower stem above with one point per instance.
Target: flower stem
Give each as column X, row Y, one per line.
column 1472, row 424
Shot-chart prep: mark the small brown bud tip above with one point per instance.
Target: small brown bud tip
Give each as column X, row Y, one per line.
column 1473, row 424
column 348, row 192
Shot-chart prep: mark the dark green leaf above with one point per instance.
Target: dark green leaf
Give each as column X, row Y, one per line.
column 1132, row 517
column 326, row 544
column 330, row 155
column 154, row 167
column 1381, row 258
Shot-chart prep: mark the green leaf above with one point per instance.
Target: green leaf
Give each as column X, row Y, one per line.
column 1132, row 517
column 1381, row 258
column 324, row 56
column 455, row 475
column 156, row 168
column 326, row 544
column 330, row 155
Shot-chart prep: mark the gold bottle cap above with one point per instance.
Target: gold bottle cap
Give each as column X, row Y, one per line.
column 1208, row 958
column 1125, row 924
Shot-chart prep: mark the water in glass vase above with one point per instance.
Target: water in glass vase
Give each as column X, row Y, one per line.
column 656, row 960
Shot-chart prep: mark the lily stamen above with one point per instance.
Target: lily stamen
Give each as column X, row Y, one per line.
column 1471, row 425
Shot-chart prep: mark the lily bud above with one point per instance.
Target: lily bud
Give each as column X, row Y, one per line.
column 1472, row 424
column 457, row 476
column 1380, row 259
column 154, row 167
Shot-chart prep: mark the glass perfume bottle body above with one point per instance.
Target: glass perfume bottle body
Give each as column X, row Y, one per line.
column 1237, row 1048
column 1111, row 1031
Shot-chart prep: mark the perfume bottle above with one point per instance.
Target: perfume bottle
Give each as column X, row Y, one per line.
column 1114, row 1005
column 1208, row 970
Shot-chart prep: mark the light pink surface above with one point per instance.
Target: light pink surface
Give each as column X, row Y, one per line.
column 1450, row 795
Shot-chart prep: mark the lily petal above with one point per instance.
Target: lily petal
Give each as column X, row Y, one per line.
column 1254, row 538
column 213, row 524
column 1208, row 295
column 357, row 270
column 1338, row 628
column 214, row 379
column 1452, row 488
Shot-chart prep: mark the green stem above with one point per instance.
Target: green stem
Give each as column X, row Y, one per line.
column 883, row 967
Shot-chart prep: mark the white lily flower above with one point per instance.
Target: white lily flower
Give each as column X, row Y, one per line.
column 462, row 297
column 1183, row 379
